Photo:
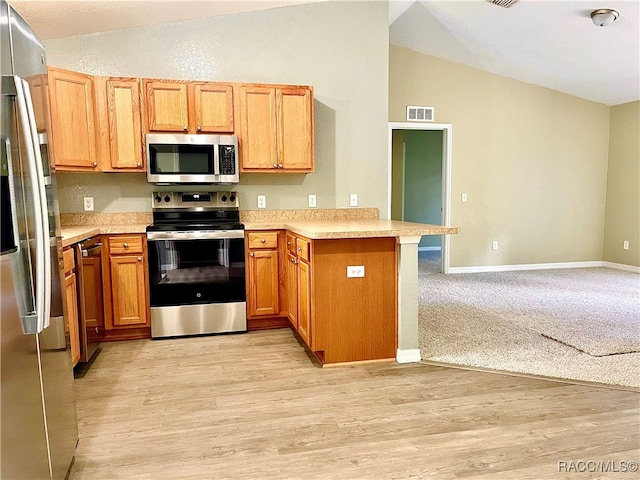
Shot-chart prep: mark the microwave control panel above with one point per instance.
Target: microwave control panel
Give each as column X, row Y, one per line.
column 228, row 162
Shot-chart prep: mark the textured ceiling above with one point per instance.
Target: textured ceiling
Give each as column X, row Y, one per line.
column 550, row 43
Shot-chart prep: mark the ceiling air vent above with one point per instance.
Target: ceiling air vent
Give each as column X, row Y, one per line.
column 419, row 114
column 503, row 3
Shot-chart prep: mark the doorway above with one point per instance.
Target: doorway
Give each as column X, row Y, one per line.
column 420, row 181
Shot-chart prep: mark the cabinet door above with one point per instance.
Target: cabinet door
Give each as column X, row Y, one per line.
column 292, row 291
column 213, row 107
column 258, row 128
column 304, row 302
column 71, row 300
column 94, row 311
column 263, row 283
column 166, row 104
column 128, row 291
column 295, row 129
column 73, row 134
column 125, row 128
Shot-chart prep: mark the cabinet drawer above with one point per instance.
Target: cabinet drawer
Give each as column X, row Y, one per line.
column 303, row 249
column 263, row 239
column 68, row 258
column 125, row 244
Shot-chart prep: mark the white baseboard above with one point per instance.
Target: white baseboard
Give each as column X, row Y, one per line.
column 525, row 266
column 621, row 266
column 429, row 249
column 408, row 356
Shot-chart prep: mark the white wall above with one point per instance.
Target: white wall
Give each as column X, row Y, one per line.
column 341, row 48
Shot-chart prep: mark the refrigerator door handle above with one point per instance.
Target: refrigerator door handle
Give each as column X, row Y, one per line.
column 43, row 252
column 12, row 194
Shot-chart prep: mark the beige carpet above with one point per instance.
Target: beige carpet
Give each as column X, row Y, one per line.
column 504, row 321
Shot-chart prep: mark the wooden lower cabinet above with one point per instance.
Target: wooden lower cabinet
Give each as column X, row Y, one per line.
column 304, row 301
column 340, row 318
column 71, row 315
column 266, row 272
column 126, row 286
column 71, row 300
column 292, row 290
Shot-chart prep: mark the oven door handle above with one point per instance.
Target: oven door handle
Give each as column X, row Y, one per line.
column 195, row 235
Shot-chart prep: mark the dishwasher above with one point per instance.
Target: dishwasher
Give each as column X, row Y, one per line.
column 90, row 300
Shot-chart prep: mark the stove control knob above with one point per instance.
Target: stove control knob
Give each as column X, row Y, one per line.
column 223, row 198
column 167, row 198
column 158, row 199
column 232, row 198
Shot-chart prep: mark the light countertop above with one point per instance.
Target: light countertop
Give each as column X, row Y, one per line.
column 76, row 233
column 353, row 228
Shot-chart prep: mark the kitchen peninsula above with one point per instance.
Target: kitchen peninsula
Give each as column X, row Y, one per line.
column 345, row 279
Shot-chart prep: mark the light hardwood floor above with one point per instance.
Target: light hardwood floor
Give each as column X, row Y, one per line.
column 255, row 406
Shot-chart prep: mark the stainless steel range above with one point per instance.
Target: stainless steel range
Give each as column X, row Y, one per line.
column 196, row 264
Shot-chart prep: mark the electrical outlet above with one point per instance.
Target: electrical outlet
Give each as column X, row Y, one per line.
column 464, row 197
column 353, row 200
column 262, row 201
column 495, row 245
column 625, row 244
column 88, row 204
column 312, row 201
column 355, row 271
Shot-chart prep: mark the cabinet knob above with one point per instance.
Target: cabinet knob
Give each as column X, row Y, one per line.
column 198, row 128
column 252, row 254
column 288, row 243
column 184, row 128
column 279, row 165
column 95, row 164
column 275, row 165
column 139, row 259
column 262, row 240
column 299, row 249
column 125, row 245
column 138, row 164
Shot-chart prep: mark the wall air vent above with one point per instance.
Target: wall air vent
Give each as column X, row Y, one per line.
column 419, row 114
column 503, row 3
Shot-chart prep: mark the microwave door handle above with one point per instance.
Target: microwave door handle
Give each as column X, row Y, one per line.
column 216, row 159
column 43, row 252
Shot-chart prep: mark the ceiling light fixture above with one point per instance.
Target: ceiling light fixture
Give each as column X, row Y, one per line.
column 603, row 17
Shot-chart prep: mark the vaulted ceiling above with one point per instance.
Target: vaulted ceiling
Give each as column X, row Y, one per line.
column 550, row 43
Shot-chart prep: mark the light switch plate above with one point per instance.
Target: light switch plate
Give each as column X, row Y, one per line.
column 464, row 197
column 88, row 204
column 353, row 200
column 262, row 201
column 355, row 271
column 312, row 201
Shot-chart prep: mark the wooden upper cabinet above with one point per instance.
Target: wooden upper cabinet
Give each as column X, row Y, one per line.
column 258, row 128
column 125, row 126
column 166, row 104
column 295, row 128
column 276, row 131
column 213, row 107
column 193, row 107
column 73, row 137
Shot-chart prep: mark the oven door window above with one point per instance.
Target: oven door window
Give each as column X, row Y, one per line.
column 187, row 272
column 181, row 159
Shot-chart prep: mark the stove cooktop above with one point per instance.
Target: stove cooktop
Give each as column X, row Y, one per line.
column 193, row 211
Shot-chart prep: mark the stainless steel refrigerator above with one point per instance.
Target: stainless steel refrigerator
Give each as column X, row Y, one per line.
column 38, row 424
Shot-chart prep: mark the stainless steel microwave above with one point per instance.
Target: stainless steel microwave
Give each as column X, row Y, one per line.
column 185, row 158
